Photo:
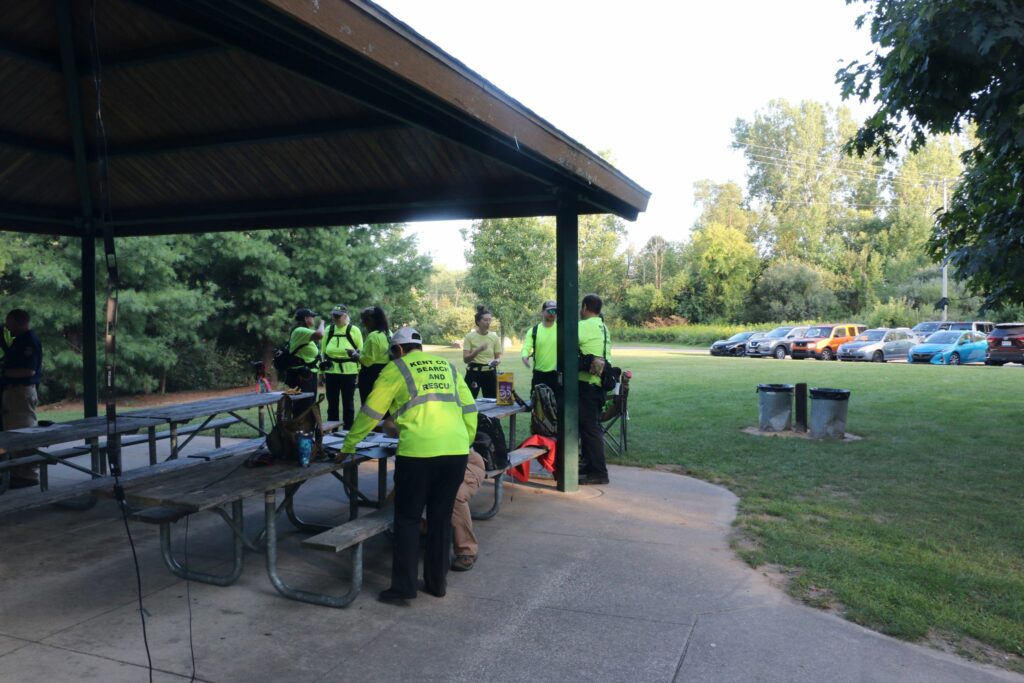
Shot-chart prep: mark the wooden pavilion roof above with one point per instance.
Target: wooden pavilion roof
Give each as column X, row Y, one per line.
column 245, row 114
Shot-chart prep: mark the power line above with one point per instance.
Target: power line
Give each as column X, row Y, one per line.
column 782, row 162
column 843, row 160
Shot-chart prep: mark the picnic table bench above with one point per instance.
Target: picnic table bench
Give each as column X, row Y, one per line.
column 226, row 482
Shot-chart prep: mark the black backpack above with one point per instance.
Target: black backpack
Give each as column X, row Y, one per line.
column 544, row 415
column 490, row 443
column 283, row 358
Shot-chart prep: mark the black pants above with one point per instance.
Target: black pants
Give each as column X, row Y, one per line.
column 548, row 378
column 344, row 386
column 591, row 439
column 304, row 380
column 432, row 483
column 367, row 377
column 483, row 382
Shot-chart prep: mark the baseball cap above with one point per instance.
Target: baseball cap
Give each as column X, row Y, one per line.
column 550, row 304
column 303, row 313
column 340, row 309
column 406, row 335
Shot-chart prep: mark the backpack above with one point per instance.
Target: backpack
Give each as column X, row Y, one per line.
column 282, row 440
column 544, row 415
column 490, row 443
column 283, row 358
column 330, row 336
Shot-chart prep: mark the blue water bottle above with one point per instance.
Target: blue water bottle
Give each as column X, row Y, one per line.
column 304, row 440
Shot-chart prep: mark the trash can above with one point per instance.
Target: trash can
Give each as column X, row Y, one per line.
column 775, row 407
column 828, row 412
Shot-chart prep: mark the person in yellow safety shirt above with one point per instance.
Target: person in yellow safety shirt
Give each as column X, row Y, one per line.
column 302, row 345
column 342, row 341
column 373, row 355
column 5, row 343
column 593, row 341
column 435, row 415
column 481, row 350
column 541, row 344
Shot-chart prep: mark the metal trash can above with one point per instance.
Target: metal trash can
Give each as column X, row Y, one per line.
column 828, row 412
column 775, row 407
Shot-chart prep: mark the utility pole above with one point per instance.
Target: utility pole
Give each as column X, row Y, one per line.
column 945, row 259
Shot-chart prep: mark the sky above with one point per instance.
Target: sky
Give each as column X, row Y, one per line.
column 658, row 83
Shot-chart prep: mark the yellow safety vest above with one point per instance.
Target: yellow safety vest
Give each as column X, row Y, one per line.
column 431, row 404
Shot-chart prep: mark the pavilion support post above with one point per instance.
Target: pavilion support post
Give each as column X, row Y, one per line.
column 567, row 288
column 90, row 372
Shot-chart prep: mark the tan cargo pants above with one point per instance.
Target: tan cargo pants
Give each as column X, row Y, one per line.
column 19, row 410
column 463, row 539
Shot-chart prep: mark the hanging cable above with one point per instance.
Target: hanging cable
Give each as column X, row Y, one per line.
column 110, row 324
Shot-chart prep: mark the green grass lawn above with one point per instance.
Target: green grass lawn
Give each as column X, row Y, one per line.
column 916, row 531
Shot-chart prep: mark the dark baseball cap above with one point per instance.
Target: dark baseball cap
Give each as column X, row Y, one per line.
column 549, row 305
column 303, row 313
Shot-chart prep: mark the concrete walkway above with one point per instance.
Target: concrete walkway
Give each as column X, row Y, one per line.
column 630, row 582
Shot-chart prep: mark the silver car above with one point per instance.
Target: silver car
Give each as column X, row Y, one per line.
column 775, row 343
column 879, row 345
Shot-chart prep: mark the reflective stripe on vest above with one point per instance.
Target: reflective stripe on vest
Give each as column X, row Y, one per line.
column 417, row 399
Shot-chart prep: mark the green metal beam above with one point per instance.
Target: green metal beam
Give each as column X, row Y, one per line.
column 567, row 294
column 28, row 54
column 29, row 144
column 76, row 120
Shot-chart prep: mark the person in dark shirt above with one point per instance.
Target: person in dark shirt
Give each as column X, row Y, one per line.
column 22, row 369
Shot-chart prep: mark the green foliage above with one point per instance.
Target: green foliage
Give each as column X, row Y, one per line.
column 509, row 260
column 790, row 290
column 644, row 302
column 722, row 265
column 602, row 270
column 893, row 313
column 938, row 68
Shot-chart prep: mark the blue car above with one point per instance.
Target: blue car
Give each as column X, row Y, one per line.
column 950, row 347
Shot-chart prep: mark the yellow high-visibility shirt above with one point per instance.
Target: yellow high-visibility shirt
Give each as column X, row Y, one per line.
column 431, row 404
column 375, row 349
column 490, row 342
column 545, row 354
column 336, row 346
column 594, row 340
column 303, row 347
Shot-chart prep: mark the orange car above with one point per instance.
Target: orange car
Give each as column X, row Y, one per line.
column 822, row 341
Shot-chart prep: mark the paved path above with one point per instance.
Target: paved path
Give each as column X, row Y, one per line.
column 631, row 582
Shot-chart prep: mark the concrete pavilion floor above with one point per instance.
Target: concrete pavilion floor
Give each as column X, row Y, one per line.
column 630, row 582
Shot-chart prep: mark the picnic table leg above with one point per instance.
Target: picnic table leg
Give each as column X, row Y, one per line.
column 301, row 595
column 382, row 481
column 352, row 475
column 262, row 413
column 151, row 431
column 298, row 522
column 215, row 579
column 512, row 431
column 174, row 441
column 499, row 486
column 98, row 463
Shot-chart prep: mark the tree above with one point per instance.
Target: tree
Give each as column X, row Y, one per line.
column 722, row 203
column 790, row 290
column 722, row 264
column 938, row 68
column 602, row 269
column 509, row 261
column 265, row 275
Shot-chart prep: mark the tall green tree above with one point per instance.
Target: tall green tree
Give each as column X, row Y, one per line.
column 723, row 264
column 937, row 68
column 602, row 270
column 509, row 261
column 723, row 203
column 791, row 291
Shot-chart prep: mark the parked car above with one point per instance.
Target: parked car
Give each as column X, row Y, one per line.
column 822, row 341
column 736, row 345
column 879, row 345
column 950, row 347
column 926, row 329
column 775, row 343
column 1005, row 344
column 975, row 326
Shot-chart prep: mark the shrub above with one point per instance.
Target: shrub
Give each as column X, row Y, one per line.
column 893, row 313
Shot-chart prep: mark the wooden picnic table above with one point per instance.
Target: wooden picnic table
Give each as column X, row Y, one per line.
column 28, row 442
column 215, row 485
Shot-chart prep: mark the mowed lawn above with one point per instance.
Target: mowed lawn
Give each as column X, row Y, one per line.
column 916, row 531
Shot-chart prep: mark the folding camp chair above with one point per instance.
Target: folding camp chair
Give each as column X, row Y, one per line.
column 615, row 417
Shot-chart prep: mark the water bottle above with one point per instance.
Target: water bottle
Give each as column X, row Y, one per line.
column 304, row 441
